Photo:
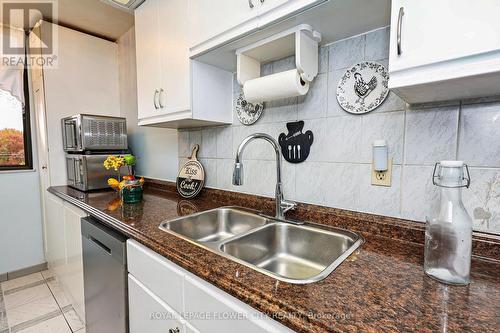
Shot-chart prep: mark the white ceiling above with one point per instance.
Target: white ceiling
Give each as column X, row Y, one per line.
column 91, row 16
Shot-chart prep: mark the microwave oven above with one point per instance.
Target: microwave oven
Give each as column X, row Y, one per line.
column 89, row 133
column 87, row 173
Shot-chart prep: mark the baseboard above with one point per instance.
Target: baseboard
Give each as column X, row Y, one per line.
column 23, row 271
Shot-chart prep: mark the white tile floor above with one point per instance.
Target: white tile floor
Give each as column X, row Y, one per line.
column 36, row 304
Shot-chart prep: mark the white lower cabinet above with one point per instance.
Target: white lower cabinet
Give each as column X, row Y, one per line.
column 192, row 306
column 64, row 249
column 149, row 313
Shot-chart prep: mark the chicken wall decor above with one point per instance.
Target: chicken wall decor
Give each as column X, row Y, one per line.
column 363, row 87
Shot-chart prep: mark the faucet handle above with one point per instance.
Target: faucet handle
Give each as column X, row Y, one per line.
column 288, row 205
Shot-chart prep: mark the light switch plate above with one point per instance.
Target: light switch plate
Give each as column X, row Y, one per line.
column 383, row 178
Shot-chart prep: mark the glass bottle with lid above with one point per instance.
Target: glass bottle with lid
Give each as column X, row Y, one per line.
column 448, row 235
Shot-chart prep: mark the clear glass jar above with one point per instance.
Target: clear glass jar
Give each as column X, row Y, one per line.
column 448, row 235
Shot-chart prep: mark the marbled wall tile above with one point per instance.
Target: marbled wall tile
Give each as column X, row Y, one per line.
column 479, row 143
column 377, row 44
column 321, row 139
column 431, row 135
column 184, row 149
column 342, row 185
column 383, row 126
column 380, row 199
column 334, row 108
column 482, row 199
column 266, row 69
column 194, row 139
column 208, row 147
column 392, row 103
column 344, row 137
column 311, row 184
column 279, row 110
column 419, row 197
column 346, row 52
column 210, row 167
column 288, row 177
column 315, row 103
column 260, row 176
column 225, row 142
column 323, row 59
column 284, row 64
column 225, row 174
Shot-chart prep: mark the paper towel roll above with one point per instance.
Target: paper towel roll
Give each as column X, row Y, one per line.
column 275, row 86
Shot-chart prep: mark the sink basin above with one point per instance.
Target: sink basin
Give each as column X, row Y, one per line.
column 284, row 250
column 296, row 253
column 214, row 225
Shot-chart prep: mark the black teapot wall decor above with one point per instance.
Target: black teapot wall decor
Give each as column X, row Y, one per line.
column 295, row 145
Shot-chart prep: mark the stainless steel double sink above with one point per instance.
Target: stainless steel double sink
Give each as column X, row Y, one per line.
column 290, row 252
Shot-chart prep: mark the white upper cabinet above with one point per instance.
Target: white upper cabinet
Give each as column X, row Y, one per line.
column 148, row 58
column 215, row 23
column 210, row 18
column 445, row 49
column 173, row 90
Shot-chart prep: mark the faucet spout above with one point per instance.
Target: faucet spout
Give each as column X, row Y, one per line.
column 282, row 205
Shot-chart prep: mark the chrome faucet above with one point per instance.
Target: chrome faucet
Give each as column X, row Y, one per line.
column 282, row 205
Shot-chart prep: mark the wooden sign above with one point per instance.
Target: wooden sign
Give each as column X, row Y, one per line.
column 191, row 176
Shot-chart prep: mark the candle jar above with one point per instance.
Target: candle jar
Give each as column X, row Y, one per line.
column 132, row 192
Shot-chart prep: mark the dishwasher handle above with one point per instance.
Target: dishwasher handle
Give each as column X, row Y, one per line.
column 100, row 244
column 106, row 239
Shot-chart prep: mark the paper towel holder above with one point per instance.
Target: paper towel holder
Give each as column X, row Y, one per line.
column 301, row 41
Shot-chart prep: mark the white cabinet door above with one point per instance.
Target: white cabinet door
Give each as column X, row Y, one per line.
column 148, row 313
column 267, row 5
column 72, row 278
column 229, row 312
column 211, row 18
column 148, row 59
column 435, row 31
column 174, row 51
column 54, row 228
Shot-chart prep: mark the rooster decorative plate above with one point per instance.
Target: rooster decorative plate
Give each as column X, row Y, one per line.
column 363, row 87
column 248, row 113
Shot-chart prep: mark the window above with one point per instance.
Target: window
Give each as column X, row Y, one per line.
column 15, row 134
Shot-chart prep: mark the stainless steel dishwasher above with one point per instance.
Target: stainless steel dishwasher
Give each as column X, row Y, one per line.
column 105, row 278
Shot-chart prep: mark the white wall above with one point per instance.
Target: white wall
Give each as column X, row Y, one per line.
column 155, row 148
column 85, row 81
column 21, row 242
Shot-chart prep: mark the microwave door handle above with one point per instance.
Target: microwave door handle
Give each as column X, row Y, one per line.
column 78, row 172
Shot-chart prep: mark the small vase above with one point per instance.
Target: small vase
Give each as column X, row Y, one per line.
column 132, row 192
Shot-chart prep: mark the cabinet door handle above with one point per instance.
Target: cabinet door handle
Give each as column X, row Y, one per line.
column 174, row 330
column 159, row 98
column 400, row 22
column 154, row 99
column 250, row 4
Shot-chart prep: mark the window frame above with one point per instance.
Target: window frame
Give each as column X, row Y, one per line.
column 28, row 149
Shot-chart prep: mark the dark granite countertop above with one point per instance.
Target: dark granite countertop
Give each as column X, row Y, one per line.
column 379, row 288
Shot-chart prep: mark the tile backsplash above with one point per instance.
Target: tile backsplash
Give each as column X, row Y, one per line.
column 337, row 171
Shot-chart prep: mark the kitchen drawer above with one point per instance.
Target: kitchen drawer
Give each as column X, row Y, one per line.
column 226, row 311
column 148, row 313
column 159, row 275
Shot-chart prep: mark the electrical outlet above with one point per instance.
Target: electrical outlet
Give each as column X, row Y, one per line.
column 382, row 178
